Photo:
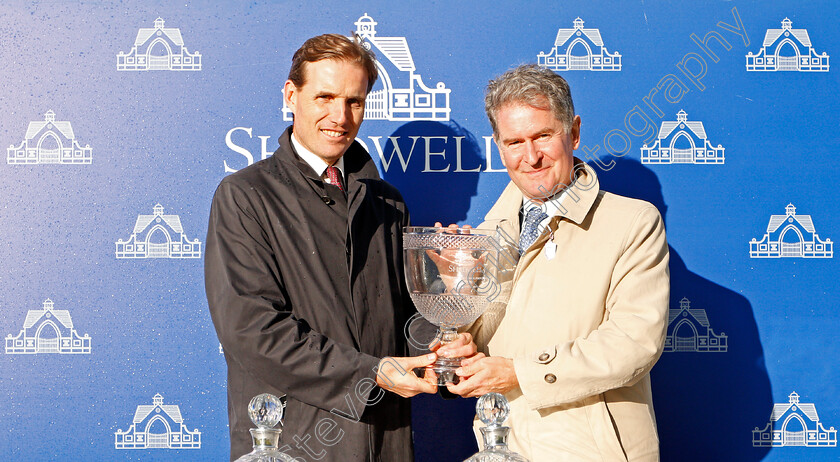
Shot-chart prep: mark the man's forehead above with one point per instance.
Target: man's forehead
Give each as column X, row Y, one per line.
column 310, row 67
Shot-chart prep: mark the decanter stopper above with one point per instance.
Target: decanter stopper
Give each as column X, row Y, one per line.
column 493, row 409
column 266, row 410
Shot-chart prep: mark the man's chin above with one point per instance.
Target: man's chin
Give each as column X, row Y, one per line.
column 334, row 153
column 538, row 193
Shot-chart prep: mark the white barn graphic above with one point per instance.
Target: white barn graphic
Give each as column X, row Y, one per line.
column 791, row 235
column 48, row 331
column 159, row 49
column 787, row 49
column 159, row 426
column 794, row 424
column 399, row 94
column 158, row 236
column 682, row 142
column 579, row 49
column 689, row 330
column 49, row 142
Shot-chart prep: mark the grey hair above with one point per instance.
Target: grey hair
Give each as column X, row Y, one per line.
column 531, row 85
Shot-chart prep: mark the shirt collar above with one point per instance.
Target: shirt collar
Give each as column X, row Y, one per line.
column 314, row 161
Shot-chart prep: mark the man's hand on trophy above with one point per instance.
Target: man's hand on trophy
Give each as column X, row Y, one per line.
column 395, row 375
column 484, row 374
column 462, row 347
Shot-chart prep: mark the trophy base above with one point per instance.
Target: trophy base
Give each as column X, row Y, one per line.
column 445, row 371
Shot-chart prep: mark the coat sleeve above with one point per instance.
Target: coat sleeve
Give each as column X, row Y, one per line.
column 629, row 341
column 253, row 317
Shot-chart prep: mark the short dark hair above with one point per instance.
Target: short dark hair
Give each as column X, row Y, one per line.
column 332, row 46
column 532, row 85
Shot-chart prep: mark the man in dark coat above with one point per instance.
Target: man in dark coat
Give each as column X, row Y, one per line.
column 304, row 275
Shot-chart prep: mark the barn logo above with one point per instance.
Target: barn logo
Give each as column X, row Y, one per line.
column 157, row 426
column 682, row 142
column 689, row 330
column 48, row 330
column 787, row 49
column 791, row 236
column 49, row 142
column 794, row 424
column 579, row 49
column 159, row 48
column 158, row 236
column 399, row 93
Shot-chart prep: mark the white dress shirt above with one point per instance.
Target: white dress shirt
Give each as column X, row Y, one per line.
column 316, row 162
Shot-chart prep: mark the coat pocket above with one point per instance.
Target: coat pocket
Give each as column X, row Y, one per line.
column 604, row 430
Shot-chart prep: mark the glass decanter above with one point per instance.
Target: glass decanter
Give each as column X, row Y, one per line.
column 493, row 409
column 266, row 411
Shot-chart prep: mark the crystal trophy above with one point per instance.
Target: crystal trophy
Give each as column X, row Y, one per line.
column 450, row 277
column 266, row 411
column 493, row 409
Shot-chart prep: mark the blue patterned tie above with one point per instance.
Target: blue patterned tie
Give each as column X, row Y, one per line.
column 530, row 228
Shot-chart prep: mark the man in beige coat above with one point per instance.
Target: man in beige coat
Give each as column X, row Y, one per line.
column 587, row 303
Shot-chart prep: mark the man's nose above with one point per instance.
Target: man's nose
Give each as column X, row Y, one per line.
column 339, row 111
column 532, row 153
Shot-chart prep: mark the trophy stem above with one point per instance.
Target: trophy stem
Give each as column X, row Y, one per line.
column 445, row 367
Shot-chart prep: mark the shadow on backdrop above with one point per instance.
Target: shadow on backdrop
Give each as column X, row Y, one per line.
column 442, row 428
column 707, row 403
column 434, row 195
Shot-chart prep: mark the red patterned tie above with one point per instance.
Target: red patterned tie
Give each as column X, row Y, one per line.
column 334, row 175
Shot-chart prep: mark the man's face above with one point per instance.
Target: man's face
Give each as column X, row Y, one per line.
column 328, row 107
column 535, row 148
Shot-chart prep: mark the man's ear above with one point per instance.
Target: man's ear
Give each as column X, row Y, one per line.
column 576, row 132
column 290, row 95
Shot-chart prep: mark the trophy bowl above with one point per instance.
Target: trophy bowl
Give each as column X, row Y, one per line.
column 450, row 277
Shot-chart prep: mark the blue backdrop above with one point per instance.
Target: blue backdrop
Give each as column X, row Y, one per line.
column 120, row 118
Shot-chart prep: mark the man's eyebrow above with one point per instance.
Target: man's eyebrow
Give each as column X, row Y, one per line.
column 509, row 140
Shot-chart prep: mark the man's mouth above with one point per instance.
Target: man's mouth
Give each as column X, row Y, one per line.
column 332, row 133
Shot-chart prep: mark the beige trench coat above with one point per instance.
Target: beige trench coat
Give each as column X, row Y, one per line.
column 584, row 328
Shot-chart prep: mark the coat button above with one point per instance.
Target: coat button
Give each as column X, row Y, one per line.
column 544, row 357
column 550, row 378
